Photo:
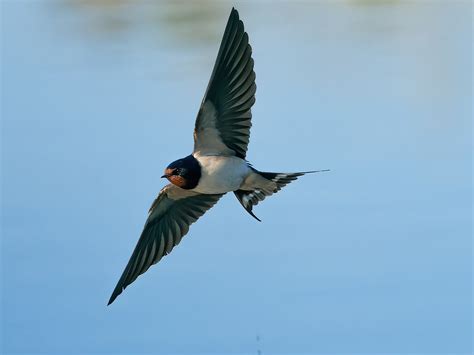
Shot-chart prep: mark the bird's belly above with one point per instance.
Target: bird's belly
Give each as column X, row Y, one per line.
column 221, row 174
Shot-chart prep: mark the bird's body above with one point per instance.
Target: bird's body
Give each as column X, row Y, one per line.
column 217, row 164
column 221, row 174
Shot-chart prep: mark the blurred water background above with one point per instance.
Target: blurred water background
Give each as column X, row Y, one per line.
column 373, row 257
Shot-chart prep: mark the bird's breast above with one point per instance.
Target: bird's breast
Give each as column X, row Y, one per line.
column 220, row 174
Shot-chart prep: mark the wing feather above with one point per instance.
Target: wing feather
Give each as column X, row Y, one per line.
column 170, row 216
column 224, row 119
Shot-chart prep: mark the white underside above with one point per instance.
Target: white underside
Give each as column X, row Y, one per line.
column 220, row 174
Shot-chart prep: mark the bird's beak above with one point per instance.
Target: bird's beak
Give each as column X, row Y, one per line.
column 164, row 176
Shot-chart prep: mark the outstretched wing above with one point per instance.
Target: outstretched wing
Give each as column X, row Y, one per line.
column 224, row 118
column 170, row 216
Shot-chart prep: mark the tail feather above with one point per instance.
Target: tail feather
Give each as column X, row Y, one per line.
column 250, row 198
column 244, row 198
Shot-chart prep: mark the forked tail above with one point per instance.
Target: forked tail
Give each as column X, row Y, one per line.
column 272, row 183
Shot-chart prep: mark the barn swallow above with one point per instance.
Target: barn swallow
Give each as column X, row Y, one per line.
column 216, row 166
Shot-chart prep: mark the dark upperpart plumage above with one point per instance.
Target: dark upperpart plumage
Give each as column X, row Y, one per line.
column 184, row 172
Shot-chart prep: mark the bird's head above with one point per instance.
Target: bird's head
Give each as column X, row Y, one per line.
column 184, row 173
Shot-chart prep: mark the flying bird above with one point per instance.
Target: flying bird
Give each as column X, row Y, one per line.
column 217, row 164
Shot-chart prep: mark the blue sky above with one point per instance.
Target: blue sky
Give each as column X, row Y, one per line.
column 373, row 257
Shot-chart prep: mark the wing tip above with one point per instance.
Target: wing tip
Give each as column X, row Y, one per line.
column 234, row 14
column 115, row 294
column 111, row 300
